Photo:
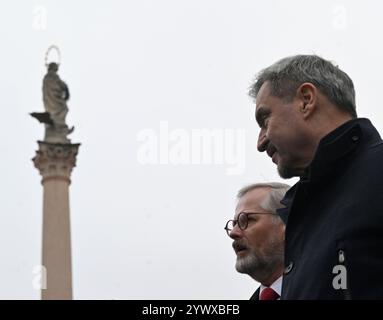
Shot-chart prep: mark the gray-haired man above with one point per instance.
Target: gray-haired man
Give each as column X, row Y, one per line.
column 258, row 234
column 305, row 107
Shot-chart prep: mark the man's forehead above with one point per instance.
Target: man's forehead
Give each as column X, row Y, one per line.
column 263, row 93
column 262, row 100
column 252, row 200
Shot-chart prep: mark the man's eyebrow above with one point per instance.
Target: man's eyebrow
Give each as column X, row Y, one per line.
column 260, row 113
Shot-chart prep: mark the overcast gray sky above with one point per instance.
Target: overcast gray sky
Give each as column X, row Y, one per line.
column 147, row 78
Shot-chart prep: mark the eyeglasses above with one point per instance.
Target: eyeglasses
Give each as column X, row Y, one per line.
column 242, row 221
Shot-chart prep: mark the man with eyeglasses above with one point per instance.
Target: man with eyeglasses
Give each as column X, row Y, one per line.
column 258, row 234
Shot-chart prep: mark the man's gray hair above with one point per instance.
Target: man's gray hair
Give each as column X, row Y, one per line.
column 276, row 194
column 286, row 75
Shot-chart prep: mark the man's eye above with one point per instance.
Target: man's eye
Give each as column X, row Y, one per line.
column 265, row 121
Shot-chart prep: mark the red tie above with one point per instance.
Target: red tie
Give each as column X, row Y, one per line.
column 268, row 294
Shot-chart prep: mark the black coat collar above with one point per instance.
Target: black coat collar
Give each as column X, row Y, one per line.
column 338, row 145
column 332, row 152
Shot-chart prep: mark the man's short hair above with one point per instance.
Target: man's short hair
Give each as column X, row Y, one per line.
column 286, row 75
column 273, row 200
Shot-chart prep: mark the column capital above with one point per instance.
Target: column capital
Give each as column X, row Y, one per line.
column 55, row 160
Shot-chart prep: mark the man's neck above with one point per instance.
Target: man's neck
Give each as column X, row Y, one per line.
column 270, row 279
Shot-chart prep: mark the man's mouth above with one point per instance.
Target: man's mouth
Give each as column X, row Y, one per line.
column 271, row 151
column 238, row 248
column 274, row 158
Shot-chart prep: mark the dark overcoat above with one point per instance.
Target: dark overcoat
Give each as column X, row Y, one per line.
column 334, row 219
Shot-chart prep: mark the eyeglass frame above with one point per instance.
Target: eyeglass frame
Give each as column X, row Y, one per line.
column 247, row 221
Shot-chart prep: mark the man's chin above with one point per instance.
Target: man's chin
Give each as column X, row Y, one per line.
column 245, row 264
column 241, row 267
column 287, row 172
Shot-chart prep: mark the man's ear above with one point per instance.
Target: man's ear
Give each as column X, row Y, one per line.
column 307, row 95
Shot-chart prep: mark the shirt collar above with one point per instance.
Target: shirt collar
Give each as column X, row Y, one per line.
column 276, row 286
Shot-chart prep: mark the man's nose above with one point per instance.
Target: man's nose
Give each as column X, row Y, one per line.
column 262, row 141
column 235, row 233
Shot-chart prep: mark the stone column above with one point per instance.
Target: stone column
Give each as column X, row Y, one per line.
column 55, row 162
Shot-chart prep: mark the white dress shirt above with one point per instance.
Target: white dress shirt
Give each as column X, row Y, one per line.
column 276, row 286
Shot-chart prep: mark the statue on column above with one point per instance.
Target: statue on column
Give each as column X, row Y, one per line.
column 55, row 97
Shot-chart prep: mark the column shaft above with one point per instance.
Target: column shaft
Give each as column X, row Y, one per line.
column 57, row 240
